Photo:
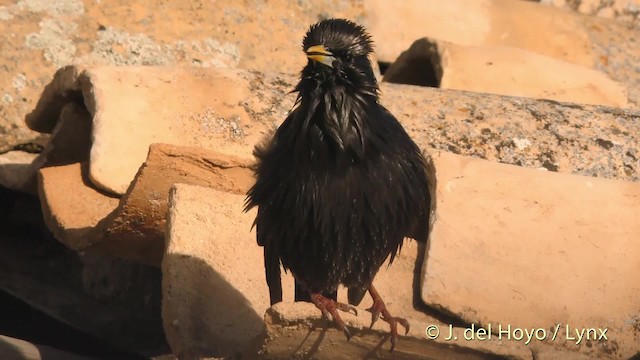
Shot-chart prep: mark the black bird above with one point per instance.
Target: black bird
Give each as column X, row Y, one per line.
column 340, row 183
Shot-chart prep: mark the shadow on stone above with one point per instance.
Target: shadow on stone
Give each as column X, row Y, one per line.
column 204, row 314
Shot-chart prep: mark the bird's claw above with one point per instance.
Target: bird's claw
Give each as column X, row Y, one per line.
column 393, row 322
column 404, row 323
column 326, row 314
column 375, row 315
column 330, row 307
column 348, row 308
column 347, row 333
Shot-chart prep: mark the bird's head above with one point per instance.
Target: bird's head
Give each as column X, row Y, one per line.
column 336, row 91
column 338, row 51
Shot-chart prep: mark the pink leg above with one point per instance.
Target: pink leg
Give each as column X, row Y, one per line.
column 378, row 308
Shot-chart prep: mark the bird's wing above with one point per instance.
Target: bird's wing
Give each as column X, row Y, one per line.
column 416, row 196
column 421, row 208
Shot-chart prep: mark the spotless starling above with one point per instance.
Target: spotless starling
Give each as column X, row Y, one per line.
column 340, row 183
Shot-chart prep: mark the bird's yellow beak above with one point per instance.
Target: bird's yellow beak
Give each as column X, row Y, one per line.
column 319, row 53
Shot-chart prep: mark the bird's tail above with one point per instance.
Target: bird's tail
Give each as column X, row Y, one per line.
column 272, row 272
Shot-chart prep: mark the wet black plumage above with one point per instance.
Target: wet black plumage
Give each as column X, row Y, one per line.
column 340, row 183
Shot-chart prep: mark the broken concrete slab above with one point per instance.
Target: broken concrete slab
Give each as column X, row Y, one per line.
column 559, row 34
column 536, row 250
column 503, row 70
column 136, row 229
column 588, row 140
column 72, row 209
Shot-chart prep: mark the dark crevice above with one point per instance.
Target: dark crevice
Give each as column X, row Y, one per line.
column 21, row 321
column 383, row 65
column 420, row 65
column 44, row 300
column 416, row 71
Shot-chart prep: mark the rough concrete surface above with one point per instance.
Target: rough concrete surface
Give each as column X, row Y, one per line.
column 535, row 250
column 296, row 331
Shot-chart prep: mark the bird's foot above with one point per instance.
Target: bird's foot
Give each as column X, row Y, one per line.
column 331, row 307
column 379, row 308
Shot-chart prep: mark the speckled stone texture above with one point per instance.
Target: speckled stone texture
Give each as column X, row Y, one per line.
column 581, row 139
column 626, row 11
column 39, row 36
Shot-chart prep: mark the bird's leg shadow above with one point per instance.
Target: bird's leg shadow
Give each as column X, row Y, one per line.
column 316, row 344
column 373, row 353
